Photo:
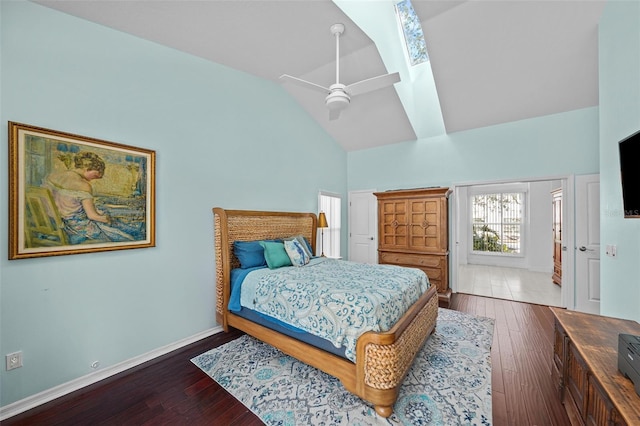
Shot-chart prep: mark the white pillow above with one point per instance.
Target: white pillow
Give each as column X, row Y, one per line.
column 296, row 253
column 303, row 244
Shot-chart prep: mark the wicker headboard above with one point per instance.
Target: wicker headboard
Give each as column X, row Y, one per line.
column 250, row 225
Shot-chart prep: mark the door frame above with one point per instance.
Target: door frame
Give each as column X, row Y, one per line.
column 568, row 244
column 567, row 294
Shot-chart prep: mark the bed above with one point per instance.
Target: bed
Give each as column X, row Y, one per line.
column 382, row 359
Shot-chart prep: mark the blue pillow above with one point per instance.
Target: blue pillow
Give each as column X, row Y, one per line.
column 308, row 245
column 249, row 253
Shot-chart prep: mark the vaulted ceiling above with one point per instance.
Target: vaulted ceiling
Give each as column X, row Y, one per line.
column 492, row 61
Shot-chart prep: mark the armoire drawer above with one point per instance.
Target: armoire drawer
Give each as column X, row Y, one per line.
column 434, row 274
column 420, row 260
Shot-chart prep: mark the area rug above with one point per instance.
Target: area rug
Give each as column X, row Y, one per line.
column 448, row 384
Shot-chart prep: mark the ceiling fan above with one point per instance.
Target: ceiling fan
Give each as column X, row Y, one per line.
column 339, row 95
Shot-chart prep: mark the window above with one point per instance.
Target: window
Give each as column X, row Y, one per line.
column 497, row 221
column 329, row 204
column 412, row 31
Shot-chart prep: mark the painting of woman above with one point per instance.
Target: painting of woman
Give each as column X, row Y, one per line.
column 73, row 194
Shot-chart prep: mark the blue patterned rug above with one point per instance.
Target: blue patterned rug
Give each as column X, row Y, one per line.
column 448, row 384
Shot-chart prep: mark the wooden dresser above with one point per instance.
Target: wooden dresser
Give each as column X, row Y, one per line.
column 413, row 231
column 585, row 369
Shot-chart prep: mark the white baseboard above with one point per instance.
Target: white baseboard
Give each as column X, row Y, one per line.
column 45, row 396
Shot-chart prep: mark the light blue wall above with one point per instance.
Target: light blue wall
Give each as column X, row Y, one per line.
column 223, row 138
column 559, row 144
column 619, row 43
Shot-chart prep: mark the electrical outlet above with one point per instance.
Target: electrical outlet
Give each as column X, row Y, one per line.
column 14, row 360
column 610, row 250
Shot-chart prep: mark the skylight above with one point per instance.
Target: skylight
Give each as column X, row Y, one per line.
column 412, row 30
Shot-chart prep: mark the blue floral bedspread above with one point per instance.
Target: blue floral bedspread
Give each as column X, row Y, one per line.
column 335, row 299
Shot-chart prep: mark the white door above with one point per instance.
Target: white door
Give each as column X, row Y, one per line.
column 587, row 250
column 363, row 227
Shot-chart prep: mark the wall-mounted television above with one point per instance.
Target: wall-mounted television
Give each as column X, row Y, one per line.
column 629, row 148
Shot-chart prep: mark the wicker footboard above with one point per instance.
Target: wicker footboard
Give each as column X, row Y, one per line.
column 387, row 357
column 386, row 365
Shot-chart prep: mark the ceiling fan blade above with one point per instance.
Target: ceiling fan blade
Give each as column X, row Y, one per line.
column 334, row 114
column 304, row 83
column 371, row 84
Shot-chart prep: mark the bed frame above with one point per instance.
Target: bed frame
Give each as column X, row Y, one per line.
column 382, row 359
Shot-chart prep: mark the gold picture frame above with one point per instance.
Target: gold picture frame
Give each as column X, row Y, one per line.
column 71, row 194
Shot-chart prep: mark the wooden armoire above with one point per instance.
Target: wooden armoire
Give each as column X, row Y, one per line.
column 413, row 231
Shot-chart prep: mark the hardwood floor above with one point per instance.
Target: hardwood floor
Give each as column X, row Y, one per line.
column 172, row 391
column 521, row 360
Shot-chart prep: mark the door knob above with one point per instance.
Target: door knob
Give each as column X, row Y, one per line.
column 371, row 238
column 583, row 248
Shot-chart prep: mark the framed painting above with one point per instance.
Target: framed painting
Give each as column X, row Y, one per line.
column 71, row 194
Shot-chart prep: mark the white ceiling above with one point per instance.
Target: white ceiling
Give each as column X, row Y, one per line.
column 493, row 61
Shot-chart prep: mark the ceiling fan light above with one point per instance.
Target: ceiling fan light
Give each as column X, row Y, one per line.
column 337, row 100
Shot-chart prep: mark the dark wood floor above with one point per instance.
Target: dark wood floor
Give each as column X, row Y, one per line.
column 172, row 391
column 521, row 361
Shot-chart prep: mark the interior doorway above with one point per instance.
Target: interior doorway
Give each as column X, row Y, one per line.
column 525, row 274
